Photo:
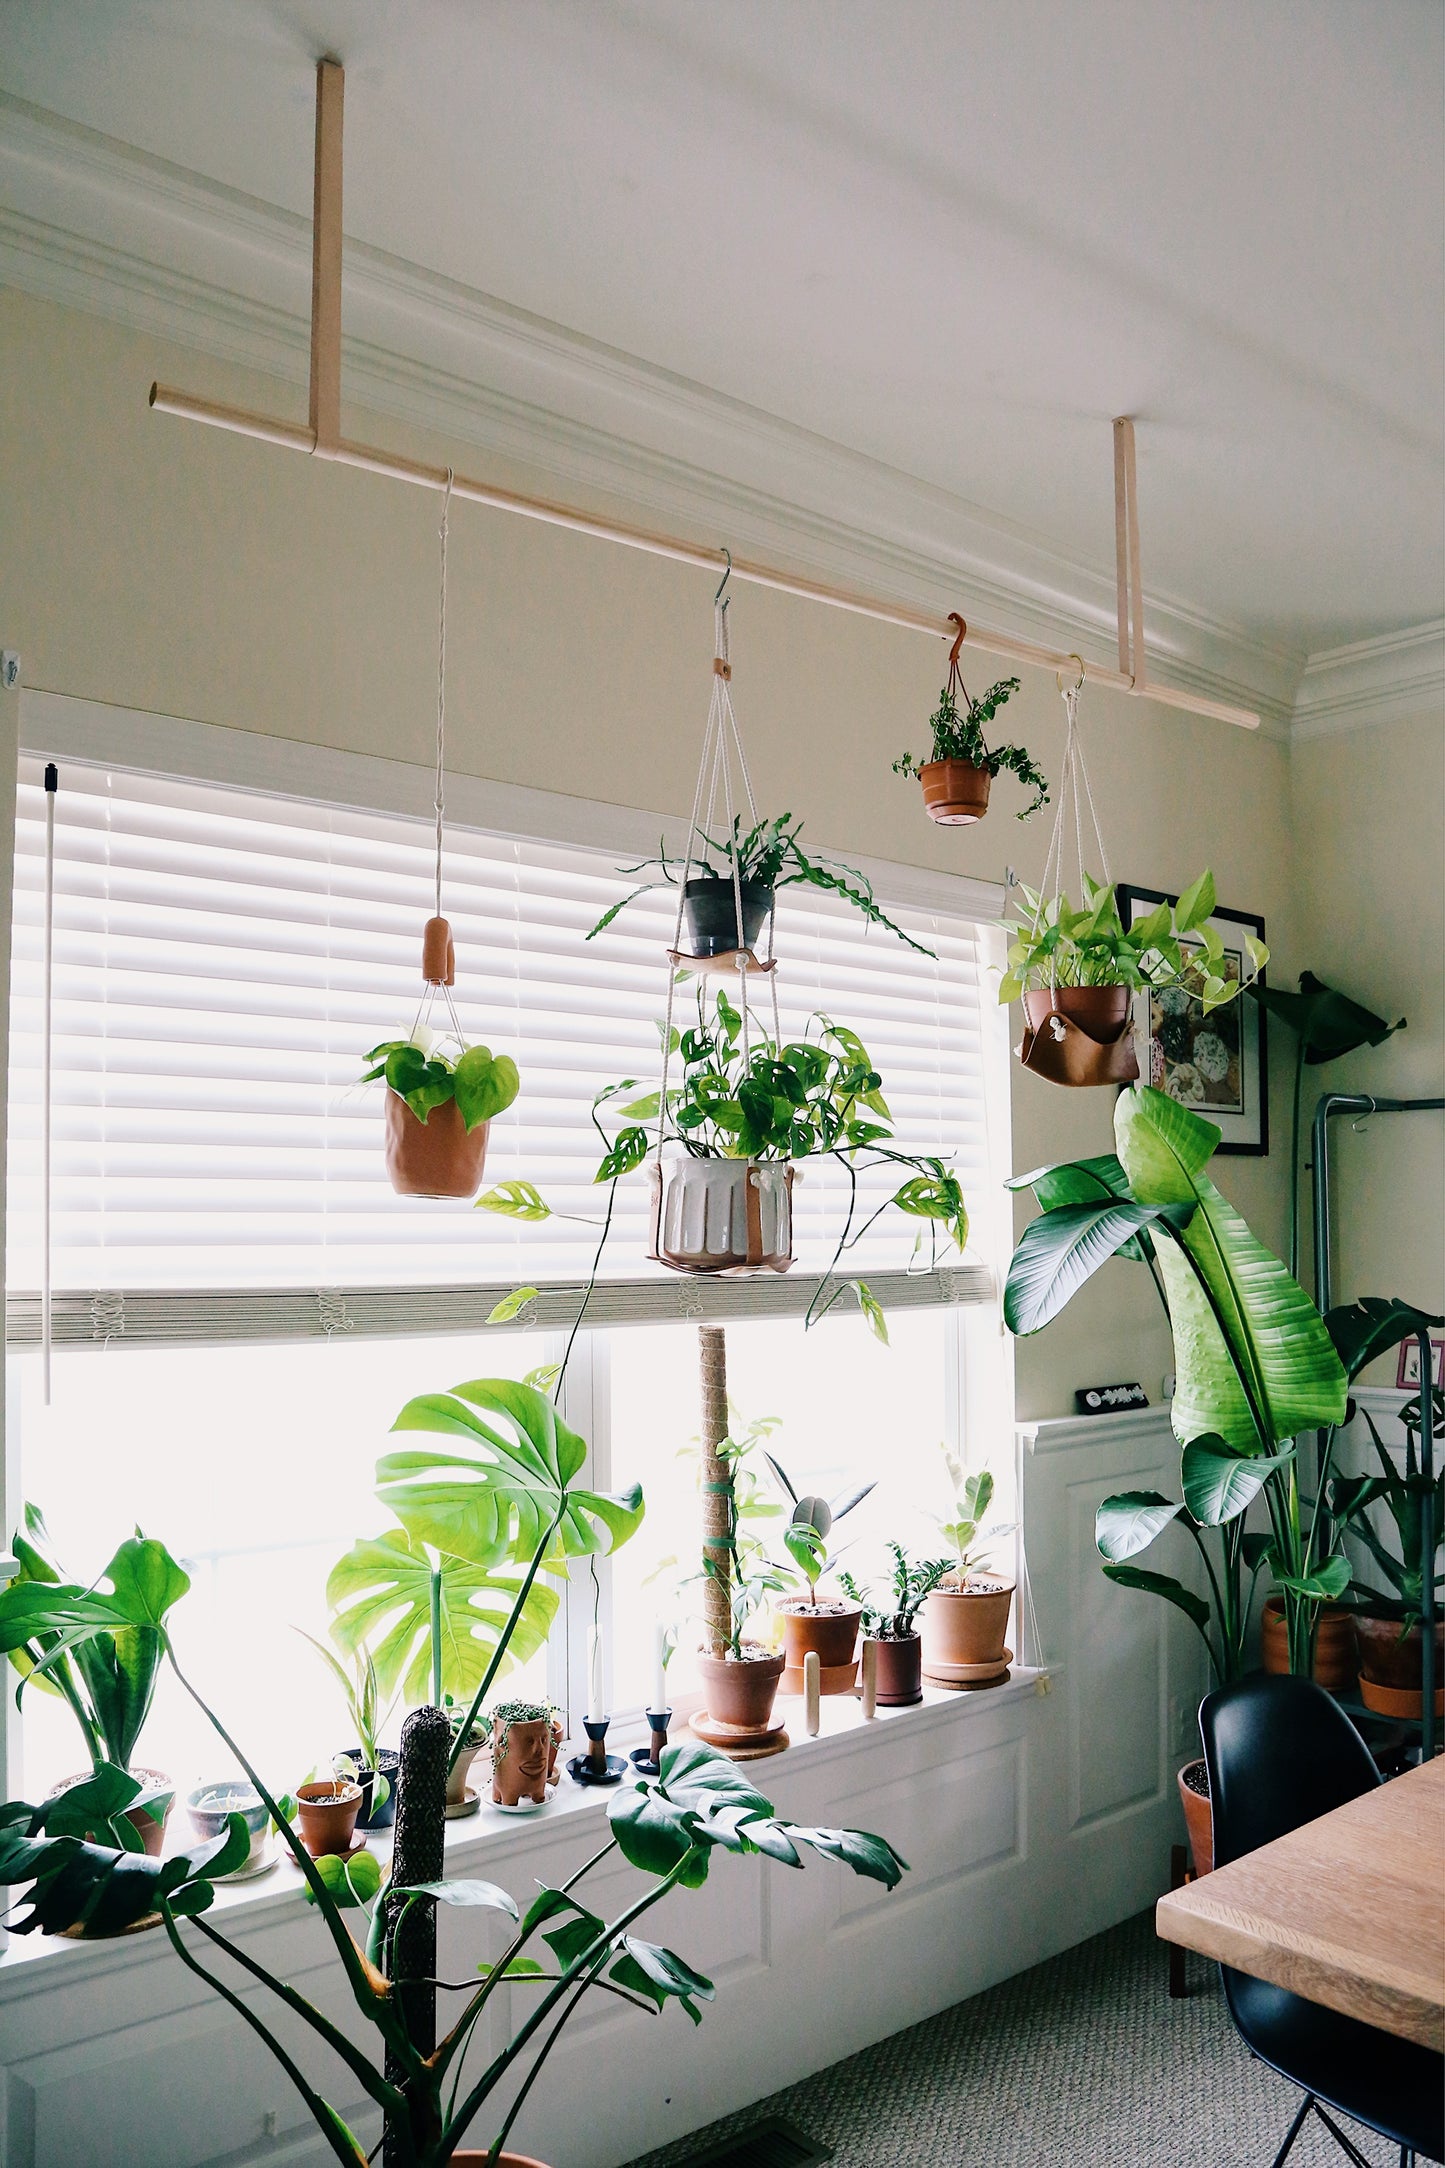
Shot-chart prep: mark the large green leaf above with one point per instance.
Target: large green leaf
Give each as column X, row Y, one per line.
column 1063, row 1248
column 1249, row 1319
column 100, row 1888
column 499, row 1505
column 1128, row 1522
column 381, row 1593
column 1220, row 1481
column 1184, row 1599
column 1373, row 1326
column 646, row 1968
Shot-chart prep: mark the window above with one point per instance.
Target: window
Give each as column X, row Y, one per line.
column 240, row 1302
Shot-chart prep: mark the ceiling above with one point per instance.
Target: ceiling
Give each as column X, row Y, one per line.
column 942, row 245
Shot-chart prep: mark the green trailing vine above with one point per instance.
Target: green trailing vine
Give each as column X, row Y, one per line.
column 957, row 734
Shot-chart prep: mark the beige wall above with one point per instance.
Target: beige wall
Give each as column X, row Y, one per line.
column 1369, row 815
column 159, row 565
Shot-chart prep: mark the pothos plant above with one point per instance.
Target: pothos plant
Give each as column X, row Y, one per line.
column 818, row 1096
column 667, row 1827
column 1055, row 944
column 769, row 855
column 957, row 734
column 420, row 1071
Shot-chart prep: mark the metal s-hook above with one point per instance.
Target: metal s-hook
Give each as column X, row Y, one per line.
column 1357, row 1127
column 722, row 583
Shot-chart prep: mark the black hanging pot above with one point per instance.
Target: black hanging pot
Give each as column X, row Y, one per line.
column 710, row 915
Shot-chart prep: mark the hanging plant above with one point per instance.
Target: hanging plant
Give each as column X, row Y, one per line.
column 739, row 877
column 961, row 765
column 439, row 1103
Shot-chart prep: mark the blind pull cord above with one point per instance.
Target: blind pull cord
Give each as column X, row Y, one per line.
column 52, row 786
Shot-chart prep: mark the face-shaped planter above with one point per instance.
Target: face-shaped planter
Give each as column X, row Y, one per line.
column 522, row 1753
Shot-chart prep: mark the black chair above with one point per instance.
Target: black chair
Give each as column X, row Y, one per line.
column 1280, row 1752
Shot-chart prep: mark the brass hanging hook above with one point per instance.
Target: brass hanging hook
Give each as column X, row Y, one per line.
column 722, row 583
column 962, row 624
column 1078, row 684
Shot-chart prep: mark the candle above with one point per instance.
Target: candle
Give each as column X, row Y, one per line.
column 596, row 1706
column 659, row 1669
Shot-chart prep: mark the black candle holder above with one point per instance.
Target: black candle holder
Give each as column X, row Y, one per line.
column 596, row 1766
column 646, row 1759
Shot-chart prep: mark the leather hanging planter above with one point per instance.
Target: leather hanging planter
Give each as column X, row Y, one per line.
column 955, row 792
column 1079, row 1035
column 722, row 1215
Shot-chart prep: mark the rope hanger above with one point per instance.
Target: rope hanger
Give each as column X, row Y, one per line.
column 438, row 959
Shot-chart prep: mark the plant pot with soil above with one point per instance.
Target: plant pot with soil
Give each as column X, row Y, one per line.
column 741, row 1687
column 1397, row 1518
column 326, row 1810
column 209, row 1806
column 966, row 1611
column 960, row 766
column 722, row 1215
column 523, row 1752
column 890, row 1621
column 1334, row 1657
column 1390, row 1653
column 814, row 1624
column 378, row 1800
column 88, row 1810
column 1198, row 1814
column 439, row 1108
column 460, row 1794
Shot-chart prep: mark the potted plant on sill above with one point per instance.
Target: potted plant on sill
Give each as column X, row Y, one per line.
column 742, row 875
column 372, row 1764
column 960, row 767
column 523, row 1743
column 1077, row 971
column 100, row 1648
column 1388, row 1623
column 827, row 1628
column 439, row 1110
column 966, row 1613
column 890, row 1621
column 741, row 1121
column 668, row 1828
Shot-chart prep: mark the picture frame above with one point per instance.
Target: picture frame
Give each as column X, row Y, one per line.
column 1229, row 1085
column 1407, row 1369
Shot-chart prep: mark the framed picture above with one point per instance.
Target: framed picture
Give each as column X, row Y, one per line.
column 1214, row 1064
column 1407, row 1370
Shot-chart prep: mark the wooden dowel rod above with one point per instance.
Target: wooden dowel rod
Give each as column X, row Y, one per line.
column 1121, row 548
column 167, row 400
column 326, row 259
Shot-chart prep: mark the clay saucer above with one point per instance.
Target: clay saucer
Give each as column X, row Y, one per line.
column 968, row 1678
column 740, row 1742
column 459, row 1809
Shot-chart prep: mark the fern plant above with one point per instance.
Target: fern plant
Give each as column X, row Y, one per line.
column 958, row 735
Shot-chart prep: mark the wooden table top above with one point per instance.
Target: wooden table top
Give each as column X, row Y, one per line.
column 1348, row 1910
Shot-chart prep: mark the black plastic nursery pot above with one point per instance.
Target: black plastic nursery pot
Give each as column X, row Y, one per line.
column 710, row 915
column 389, row 1762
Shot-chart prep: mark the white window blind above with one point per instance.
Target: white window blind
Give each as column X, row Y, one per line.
column 223, row 959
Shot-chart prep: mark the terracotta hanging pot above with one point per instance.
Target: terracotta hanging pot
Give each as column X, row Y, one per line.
column 1079, row 1035
column 963, row 1634
column 710, row 915
column 1392, row 1669
column 1334, row 1667
column 900, row 1670
column 722, row 1215
column 1193, row 1783
column 830, row 1629
column 955, row 792
column 439, row 1157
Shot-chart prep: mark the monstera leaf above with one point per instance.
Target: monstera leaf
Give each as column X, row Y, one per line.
column 98, row 1889
column 381, row 1594
column 1237, row 1313
column 498, row 1506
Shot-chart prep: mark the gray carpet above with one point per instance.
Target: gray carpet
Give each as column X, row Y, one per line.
column 1084, row 2062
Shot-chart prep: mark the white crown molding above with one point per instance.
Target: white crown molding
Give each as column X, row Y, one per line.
column 94, row 225
column 1387, row 680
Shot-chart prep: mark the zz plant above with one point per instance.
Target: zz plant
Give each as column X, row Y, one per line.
column 891, row 1614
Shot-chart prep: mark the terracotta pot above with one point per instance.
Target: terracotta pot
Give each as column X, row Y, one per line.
column 1391, row 1669
column 152, row 1832
column 460, row 1770
column 710, row 916
column 900, row 1671
column 741, row 1694
column 722, row 1215
column 327, row 1812
column 519, row 1770
column 1079, row 1035
column 1334, row 1644
column 955, row 792
column 439, row 1157
column 833, row 1633
column 1198, row 1817
column 963, row 1633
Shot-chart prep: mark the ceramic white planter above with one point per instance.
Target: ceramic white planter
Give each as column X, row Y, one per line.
column 722, row 1215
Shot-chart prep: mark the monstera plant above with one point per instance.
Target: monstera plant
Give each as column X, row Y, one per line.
column 1255, row 1364
column 450, row 1596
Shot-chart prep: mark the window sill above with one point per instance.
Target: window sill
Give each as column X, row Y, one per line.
column 483, row 1842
